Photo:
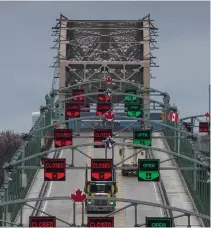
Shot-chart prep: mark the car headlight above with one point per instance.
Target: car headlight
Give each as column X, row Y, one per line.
column 111, row 202
column 89, row 202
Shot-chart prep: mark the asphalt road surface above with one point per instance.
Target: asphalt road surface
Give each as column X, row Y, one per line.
column 128, row 188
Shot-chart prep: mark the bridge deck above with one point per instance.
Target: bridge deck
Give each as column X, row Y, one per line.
column 175, row 187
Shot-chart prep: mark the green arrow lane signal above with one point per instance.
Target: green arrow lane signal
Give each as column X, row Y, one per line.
column 148, row 175
column 148, row 169
column 134, row 113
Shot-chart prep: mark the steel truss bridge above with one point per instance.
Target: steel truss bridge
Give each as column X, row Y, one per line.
column 89, row 51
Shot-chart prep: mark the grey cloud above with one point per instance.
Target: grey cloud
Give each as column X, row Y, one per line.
column 25, row 55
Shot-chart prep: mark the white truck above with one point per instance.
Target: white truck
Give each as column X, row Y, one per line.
column 132, row 162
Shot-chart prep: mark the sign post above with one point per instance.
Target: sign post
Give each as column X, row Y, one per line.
column 101, row 169
column 158, row 222
column 148, row 169
column 62, row 137
column 142, row 137
column 55, row 169
column 42, row 221
column 100, row 221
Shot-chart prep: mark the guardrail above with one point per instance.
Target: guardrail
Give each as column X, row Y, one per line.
column 14, row 189
column 197, row 180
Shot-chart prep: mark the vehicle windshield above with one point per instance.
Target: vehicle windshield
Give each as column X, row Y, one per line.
column 100, row 188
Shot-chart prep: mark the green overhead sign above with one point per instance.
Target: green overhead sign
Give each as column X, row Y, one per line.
column 134, row 110
column 158, row 222
column 148, row 169
column 130, row 98
column 142, row 137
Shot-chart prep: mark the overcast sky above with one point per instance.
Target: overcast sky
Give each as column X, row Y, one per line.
column 25, row 41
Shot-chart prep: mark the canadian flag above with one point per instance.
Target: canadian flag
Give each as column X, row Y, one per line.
column 174, row 117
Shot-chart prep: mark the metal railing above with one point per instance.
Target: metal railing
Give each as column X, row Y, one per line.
column 14, row 189
column 197, row 180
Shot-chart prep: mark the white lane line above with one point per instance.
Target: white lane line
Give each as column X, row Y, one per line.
column 50, row 188
column 156, row 194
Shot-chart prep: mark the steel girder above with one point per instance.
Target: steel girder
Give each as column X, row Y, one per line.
column 14, row 163
column 192, row 213
column 92, row 49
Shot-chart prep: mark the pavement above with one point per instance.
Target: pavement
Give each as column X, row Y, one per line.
column 33, row 192
column 128, row 187
column 175, row 186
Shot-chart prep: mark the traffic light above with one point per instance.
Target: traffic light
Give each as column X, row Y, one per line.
column 162, row 115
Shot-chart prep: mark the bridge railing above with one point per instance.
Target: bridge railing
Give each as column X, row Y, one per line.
column 197, row 181
column 14, row 189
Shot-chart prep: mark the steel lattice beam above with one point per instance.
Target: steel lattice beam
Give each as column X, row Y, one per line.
column 192, row 213
column 91, row 144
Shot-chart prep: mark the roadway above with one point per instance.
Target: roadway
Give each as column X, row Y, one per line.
column 128, row 187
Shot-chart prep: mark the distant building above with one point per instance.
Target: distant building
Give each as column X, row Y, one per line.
column 35, row 116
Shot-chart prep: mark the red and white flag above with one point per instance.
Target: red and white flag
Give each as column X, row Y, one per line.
column 174, row 117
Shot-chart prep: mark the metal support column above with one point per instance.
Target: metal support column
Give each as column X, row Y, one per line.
column 194, row 171
column 113, row 154
column 21, row 216
column 83, row 224
column 72, row 162
column 136, row 218
column 189, row 225
column 178, row 143
column 6, row 209
column 74, row 214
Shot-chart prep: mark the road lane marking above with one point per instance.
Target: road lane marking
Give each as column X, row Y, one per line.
column 120, row 190
column 156, row 194
column 79, row 214
column 50, row 188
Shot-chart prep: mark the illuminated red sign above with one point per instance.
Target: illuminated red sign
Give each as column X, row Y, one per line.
column 101, row 169
column 76, row 92
column 100, row 135
column 203, row 127
column 63, row 137
column 100, row 222
column 103, row 108
column 72, row 110
column 42, row 221
column 54, row 169
column 103, row 97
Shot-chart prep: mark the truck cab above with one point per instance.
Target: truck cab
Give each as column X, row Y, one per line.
column 100, row 190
